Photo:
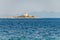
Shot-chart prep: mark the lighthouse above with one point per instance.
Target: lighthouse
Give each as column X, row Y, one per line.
column 26, row 14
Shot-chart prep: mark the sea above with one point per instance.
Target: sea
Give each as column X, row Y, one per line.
column 29, row 28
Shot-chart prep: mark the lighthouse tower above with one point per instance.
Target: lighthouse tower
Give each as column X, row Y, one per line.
column 26, row 14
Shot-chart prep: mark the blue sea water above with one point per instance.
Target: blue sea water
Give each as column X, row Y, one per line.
column 30, row 29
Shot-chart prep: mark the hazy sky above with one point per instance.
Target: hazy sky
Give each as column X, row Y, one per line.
column 41, row 8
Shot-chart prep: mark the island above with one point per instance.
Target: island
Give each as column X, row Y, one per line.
column 26, row 15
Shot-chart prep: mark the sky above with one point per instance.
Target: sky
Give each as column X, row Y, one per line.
column 39, row 8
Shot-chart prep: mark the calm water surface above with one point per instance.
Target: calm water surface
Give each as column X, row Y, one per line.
column 30, row 29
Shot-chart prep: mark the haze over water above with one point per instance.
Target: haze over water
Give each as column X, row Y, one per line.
column 39, row 8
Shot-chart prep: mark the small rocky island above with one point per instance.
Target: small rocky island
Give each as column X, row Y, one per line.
column 26, row 15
